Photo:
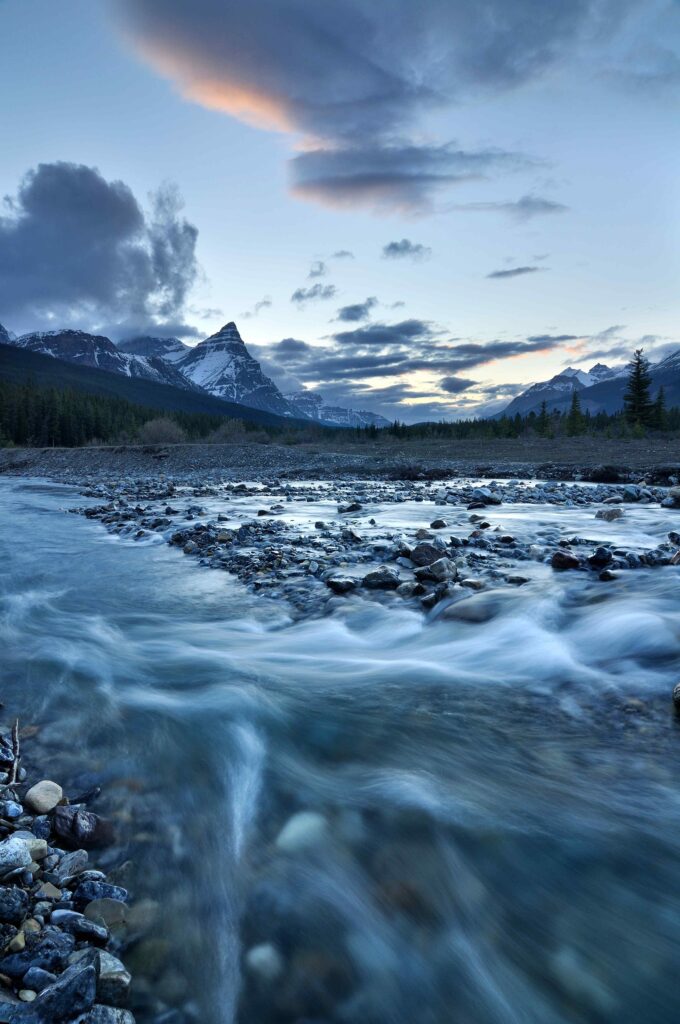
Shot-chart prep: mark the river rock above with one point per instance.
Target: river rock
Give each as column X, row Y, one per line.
column 425, row 553
column 265, row 962
column 44, row 796
column 302, row 832
column 562, row 560
column 676, row 696
column 13, row 904
column 609, row 514
column 14, row 853
column 72, row 864
column 383, row 578
column 440, row 571
column 36, row 979
column 73, row 993
column 90, row 890
column 113, row 984
column 107, row 1015
column 81, row 827
column 341, row 584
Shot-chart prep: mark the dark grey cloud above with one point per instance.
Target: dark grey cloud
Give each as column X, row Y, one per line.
column 454, row 385
column 317, row 293
column 78, row 249
column 405, row 249
column 359, row 73
column 404, row 332
column 290, row 348
column 519, row 209
column 318, row 269
column 393, row 175
column 550, row 340
column 342, row 254
column 357, row 311
column 514, row 272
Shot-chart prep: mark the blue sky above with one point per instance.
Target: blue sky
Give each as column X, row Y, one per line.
column 537, row 143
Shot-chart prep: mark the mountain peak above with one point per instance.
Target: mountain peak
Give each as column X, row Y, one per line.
column 228, row 333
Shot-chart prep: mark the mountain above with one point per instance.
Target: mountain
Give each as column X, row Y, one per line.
column 600, row 389
column 312, row 405
column 22, row 364
column 4, row 336
column 223, row 366
column 557, row 391
column 100, row 353
column 170, row 349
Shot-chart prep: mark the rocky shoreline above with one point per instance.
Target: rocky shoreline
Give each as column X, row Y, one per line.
column 63, row 923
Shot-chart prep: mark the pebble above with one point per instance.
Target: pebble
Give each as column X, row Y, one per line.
column 303, row 831
column 44, row 796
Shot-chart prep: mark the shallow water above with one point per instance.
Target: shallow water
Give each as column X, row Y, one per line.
column 497, row 813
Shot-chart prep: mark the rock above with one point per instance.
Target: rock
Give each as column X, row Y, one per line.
column 425, row 553
column 485, row 496
column 36, row 979
column 73, row 993
column 353, row 506
column 71, row 865
column 106, row 911
column 10, row 810
column 81, row 827
column 44, row 796
column 609, row 514
column 47, row 891
column 607, row 575
column 601, row 557
column 89, row 890
column 676, row 696
column 438, row 524
column 80, row 926
column 301, row 832
column 383, row 578
column 472, row 584
column 562, row 560
column 265, row 962
column 13, row 904
column 14, row 853
column 113, row 984
column 50, row 952
column 439, row 571
column 110, row 1015
column 341, row 584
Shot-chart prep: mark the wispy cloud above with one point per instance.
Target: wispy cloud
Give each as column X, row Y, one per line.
column 317, row 293
column 514, row 272
column 405, row 249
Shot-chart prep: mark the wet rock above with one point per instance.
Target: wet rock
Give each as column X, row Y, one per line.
column 264, row 962
column 383, row 578
column 44, row 796
column 50, row 952
column 36, row 979
column 91, row 890
column 107, row 912
column 81, row 827
column 608, row 575
column 341, row 584
column 562, row 560
column 108, row 1015
column 10, row 810
column 609, row 514
column 14, row 904
column 303, row 831
column 352, row 506
column 676, row 696
column 14, row 853
column 425, row 553
column 73, row 993
column 113, row 984
column 601, row 557
column 438, row 524
column 441, row 570
column 71, row 865
column 80, row 926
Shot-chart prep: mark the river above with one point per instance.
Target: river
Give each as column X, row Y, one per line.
column 374, row 817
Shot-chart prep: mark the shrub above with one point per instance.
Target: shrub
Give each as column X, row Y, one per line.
column 161, row 430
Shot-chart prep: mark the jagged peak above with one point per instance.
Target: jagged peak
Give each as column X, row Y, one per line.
column 227, row 333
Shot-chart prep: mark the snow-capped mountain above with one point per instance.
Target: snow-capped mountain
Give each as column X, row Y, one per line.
column 558, row 389
column 4, row 336
column 223, row 366
column 99, row 352
column 312, row 405
column 600, row 389
column 169, row 349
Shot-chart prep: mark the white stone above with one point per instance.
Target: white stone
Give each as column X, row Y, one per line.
column 302, row 831
column 44, row 796
column 265, row 961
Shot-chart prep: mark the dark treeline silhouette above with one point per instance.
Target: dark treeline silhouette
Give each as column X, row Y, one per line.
column 37, row 416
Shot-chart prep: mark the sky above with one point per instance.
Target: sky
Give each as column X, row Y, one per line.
column 415, row 208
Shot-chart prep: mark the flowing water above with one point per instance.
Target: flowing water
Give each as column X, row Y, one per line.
column 491, row 827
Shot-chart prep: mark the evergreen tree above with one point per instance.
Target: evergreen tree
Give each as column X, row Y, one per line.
column 543, row 421
column 575, row 419
column 637, row 402
column 659, row 416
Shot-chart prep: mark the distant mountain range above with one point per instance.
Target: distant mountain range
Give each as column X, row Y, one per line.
column 600, row 389
column 220, row 366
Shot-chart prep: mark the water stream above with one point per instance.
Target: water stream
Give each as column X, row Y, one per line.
column 375, row 817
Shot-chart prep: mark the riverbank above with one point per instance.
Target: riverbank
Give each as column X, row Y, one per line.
column 561, row 458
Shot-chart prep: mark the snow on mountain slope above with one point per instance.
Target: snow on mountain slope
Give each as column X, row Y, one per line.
column 99, row 352
column 4, row 336
column 223, row 366
column 169, row 349
column 311, row 404
column 558, row 389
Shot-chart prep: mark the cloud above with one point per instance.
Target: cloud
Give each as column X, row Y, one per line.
column 342, row 254
column 318, row 269
column 520, row 209
column 77, row 248
column 357, row 311
column 515, row 272
column 354, row 79
column 405, row 249
column 393, row 176
column 264, row 303
column 316, row 293
column 454, row 385
column 404, row 332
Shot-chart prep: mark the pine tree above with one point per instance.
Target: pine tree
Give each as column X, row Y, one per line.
column 637, row 402
column 575, row 420
column 659, row 417
column 543, row 421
